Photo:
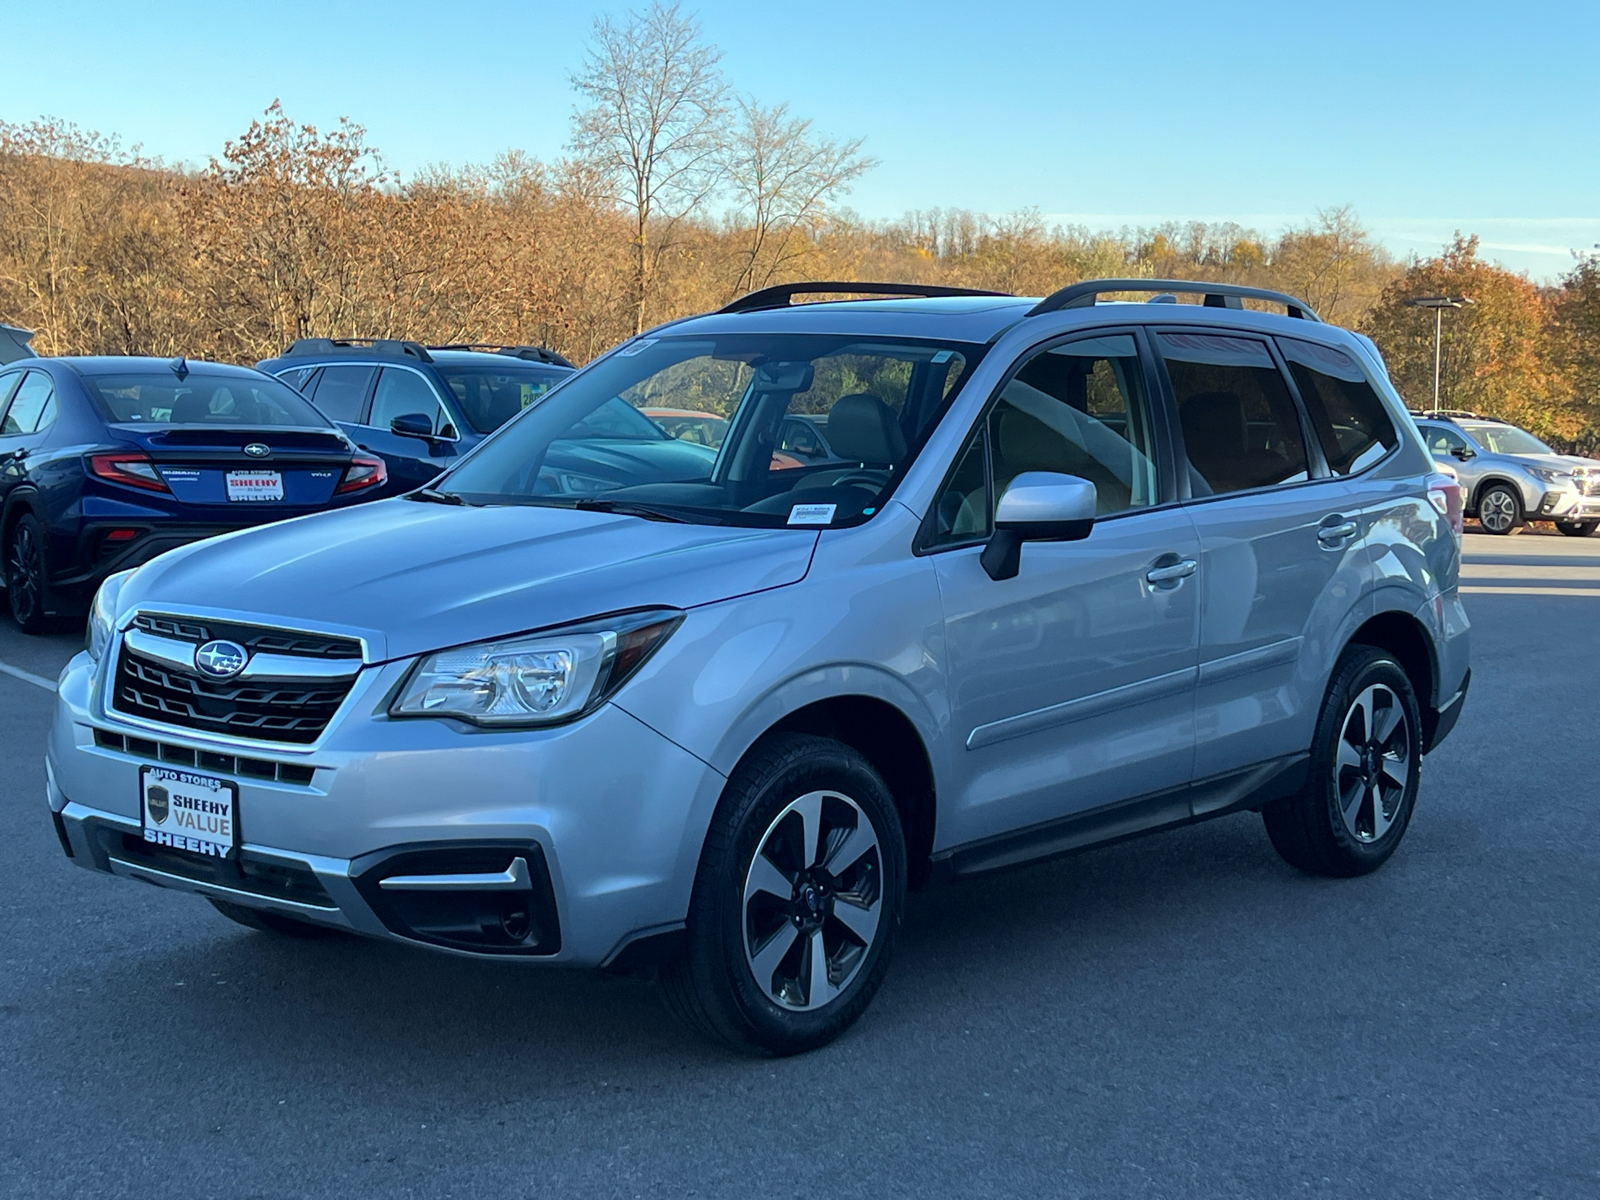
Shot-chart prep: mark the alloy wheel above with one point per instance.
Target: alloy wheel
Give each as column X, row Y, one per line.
column 1497, row 511
column 22, row 573
column 1373, row 762
column 813, row 899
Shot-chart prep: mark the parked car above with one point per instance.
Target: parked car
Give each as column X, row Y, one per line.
column 1082, row 571
column 107, row 462
column 702, row 428
column 422, row 407
column 1511, row 477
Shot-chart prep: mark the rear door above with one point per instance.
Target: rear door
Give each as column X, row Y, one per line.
column 1281, row 544
column 30, row 413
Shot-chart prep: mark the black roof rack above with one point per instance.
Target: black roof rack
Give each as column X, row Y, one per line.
column 1217, row 295
column 358, row 345
column 781, row 295
column 1452, row 413
column 529, row 353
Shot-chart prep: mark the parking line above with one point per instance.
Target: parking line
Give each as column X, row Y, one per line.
column 27, row 677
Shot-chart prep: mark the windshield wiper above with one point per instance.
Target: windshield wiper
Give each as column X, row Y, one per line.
column 435, row 496
column 628, row 508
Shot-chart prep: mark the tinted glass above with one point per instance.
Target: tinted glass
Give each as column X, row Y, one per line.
column 8, row 384
column 33, row 400
column 1078, row 409
column 879, row 399
column 488, row 397
column 403, row 393
column 1501, row 439
column 961, row 514
column 1350, row 421
column 296, row 377
column 201, row 398
column 1240, row 426
column 340, row 392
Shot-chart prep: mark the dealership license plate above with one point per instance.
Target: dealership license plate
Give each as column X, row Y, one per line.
column 255, row 485
column 189, row 812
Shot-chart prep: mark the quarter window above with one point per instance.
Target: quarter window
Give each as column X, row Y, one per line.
column 340, row 392
column 34, row 406
column 1240, row 425
column 1350, row 421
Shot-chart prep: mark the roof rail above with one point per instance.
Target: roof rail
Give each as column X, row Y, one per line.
column 1217, row 295
column 781, row 295
column 529, row 353
column 1451, row 412
column 357, row 345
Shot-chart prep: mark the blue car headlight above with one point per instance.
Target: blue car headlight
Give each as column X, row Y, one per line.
column 534, row 679
column 103, row 614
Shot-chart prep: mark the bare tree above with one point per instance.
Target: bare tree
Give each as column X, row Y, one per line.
column 784, row 180
column 652, row 126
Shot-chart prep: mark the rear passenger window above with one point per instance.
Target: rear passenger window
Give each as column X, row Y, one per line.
column 340, row 392
column 1240, row 425
column 33, row 407
column 1349, row 419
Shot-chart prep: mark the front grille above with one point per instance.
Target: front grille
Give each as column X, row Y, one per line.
column 226, row 764
column 280, row 710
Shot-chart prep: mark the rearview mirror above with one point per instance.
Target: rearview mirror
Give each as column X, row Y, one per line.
column 412, row 425
column 1038, row 506
column 784, row 377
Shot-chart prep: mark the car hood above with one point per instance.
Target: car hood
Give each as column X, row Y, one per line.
column 1556, row 462
column 412, row 577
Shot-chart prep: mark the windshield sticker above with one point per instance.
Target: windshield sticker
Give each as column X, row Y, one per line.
column 942, row 357
column 633, row 348
column 812, row 514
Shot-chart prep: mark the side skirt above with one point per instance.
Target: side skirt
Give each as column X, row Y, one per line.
column 1248, row 788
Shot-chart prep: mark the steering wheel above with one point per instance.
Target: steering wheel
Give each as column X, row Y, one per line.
column 872, row 479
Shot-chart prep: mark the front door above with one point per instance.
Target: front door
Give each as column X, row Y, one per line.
column 412, row 461
column 1072, row 684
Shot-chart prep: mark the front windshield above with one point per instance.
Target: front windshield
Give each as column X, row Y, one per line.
column 1507, row 439
column 819, row 429
column 200, row 398
column 491, row 396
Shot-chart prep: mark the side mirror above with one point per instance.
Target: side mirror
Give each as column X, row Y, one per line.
column 1038, row 506
column 1464, row 453
column 412, row 425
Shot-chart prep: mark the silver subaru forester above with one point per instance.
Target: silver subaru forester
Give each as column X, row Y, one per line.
column 1070, row 571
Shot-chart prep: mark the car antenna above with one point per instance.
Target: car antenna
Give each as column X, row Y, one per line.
column 180, row 367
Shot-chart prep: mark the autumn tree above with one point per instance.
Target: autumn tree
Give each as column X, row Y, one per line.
column 652, row 127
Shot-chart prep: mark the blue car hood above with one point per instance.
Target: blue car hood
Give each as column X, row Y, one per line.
column 413, row 577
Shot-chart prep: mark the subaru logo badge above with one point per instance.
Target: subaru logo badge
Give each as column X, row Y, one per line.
column 220, row 659
column 257, row 450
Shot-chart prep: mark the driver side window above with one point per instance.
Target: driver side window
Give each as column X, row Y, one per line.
column 1444, row 440
column 403, row 394
column 1074, row 409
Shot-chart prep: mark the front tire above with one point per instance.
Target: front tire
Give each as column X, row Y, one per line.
column 1500, row 510
column 1365, row 766
column 27, row 578
column 796, row 903
column 1577, row 528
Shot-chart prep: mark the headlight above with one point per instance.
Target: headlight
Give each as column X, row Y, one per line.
column 538, row 678
column 1550, row 475
column 103, row 613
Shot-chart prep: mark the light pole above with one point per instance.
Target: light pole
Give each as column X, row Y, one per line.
column 1438, row 304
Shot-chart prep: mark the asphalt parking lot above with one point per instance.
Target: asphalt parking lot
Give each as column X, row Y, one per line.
column 1178, row 1016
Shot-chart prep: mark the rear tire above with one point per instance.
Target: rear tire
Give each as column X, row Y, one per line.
column 1365, row 764
column 1577, row 528
column 1500, row 510
column 796, row 902
column 271, row 922
column 27, row 577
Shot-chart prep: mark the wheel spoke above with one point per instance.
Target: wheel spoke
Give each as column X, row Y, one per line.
column 1350, row 801
column 809, row 809
column 1388, row 721
column 1348, row 756
column 849, row 851
column 859, row 919
column 1397, row 770
column 819, row 990
column 765, row 877
column 1380, row 823
column 765, row 961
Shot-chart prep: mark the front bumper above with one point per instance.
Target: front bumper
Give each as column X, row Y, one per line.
column 606, row 816
column 1568, row 505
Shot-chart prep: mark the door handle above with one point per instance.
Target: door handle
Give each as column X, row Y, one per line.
column 1170, row 574
column 1329, row 535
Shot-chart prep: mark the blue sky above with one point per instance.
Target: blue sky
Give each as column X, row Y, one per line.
column 1427, row 117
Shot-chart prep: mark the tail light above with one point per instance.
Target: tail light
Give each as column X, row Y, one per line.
column 1445, row 493
column 363, row 473
column 132, row 470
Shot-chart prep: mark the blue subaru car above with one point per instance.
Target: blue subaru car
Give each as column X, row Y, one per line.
column 107, row 462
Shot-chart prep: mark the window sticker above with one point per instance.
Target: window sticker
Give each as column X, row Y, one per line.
column 943, row 356
column 812, row 514
column 633, row 348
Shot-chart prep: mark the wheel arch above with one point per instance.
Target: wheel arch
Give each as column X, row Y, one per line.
column 1405, row 637
column 1490, row 481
